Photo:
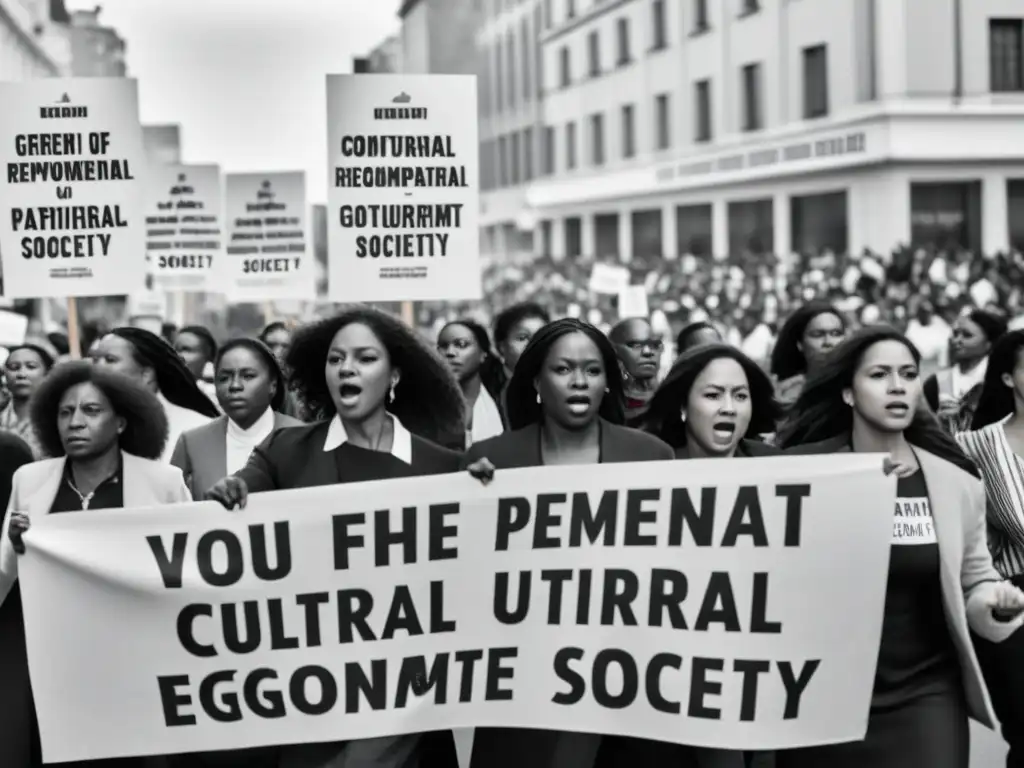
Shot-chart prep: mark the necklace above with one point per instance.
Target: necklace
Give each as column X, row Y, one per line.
column 85, row 498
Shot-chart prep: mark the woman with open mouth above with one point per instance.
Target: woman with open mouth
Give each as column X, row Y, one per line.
column 106, row 433
column 388, row 402
column 714, row 403
column 464, row 345
column 866, row 398
column 566, row 405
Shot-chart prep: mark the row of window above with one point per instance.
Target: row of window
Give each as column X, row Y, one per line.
column 510, row 74
column 504, row 165
column 700, row 12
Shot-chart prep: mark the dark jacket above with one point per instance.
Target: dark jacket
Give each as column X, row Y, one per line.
column 536, row 748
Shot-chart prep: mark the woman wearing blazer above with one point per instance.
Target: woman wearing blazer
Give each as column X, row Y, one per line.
column 106, row 432
column 566, row 405
column 250, row 389
column 466, row 348
column 390, row 397
column 866, row 398
column 713, row 403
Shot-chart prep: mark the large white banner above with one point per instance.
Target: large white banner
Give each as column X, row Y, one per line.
column 403, row 188
column 268, row 252
column 184, row 227
column 732, row 603
column 71, row 193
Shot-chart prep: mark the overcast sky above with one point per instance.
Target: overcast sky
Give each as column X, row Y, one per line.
column 245, row 78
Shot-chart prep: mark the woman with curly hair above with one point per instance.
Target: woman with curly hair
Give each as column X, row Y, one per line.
column 388, row 400
column 151, row 361
column 466, row 348
column 867, row 398
column 566, row 405
column 804, row 341
column 106, row 433
column 25, row 367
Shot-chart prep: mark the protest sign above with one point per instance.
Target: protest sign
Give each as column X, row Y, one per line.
column 184, row 227
column 724, row 603
column 403, row 188
column 71, row 199
column 609, row 278
column 268, row 253
column 633, row 302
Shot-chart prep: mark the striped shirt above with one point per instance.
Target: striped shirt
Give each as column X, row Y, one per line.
column 1003, row 473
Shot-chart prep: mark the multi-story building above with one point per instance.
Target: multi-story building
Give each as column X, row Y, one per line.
column 438, row 36
column 31, row 44
column 96, row 50
column 511, row 121
column 715, row 126
column 386, row 57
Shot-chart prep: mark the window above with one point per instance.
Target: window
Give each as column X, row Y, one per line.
column 570, row 9
column 524, row 47
column 514, row 159
column 819, row 222
column 751, row 227
column 565, row 70
column 528, row 154
column 622, row 30
column 549, row 150
column 658, row 41
column 499, row 78
column 502, row 161
column 700, row 16
column 752, row 118
column 628, row 132
column 702, row 108
column 1006, row 55
column 946, row 215
column 570, row 146
column 748, row 7
column 538, row 57
column 510, row 50
column 547, row 14
column 594, row 53
column 662, row 125
column 597, row 139
column 815, row 82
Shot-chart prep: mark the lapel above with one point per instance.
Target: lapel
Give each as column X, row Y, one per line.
column 213, row 453
column 40, row 500
column 944, row 496
column 140, row 488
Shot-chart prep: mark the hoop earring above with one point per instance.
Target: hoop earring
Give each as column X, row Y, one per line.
column 538, row 398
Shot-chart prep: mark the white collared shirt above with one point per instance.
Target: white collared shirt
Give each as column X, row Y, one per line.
column 241, row 442
column 965, row 382
column 401, row 443
column 486, row 419
column 178, row 420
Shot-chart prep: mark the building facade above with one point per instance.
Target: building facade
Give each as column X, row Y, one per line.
column 96, row 50
column 31, row 42
column 438, row 36
column 386, row 57
column 713, row 126
column 511, row 98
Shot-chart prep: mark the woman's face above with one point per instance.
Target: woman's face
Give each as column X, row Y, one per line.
column 572, row 381
column 244, row 386
column 519, row 336
column 718, row 409
column 118, row 355
column 279, row 340
column 461, row 350
column 358, row 372
column 969, row 342
column 886, row 388
column 86, row 422
column 24, row 370
column 824, row 333
column 192, row 350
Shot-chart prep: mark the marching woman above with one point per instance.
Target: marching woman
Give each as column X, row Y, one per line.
column 250, row 391
column 996, row 445
column 105, row 432
column 806, row 338
column 467, row 350
column 949, row 392
column 150, row 360
column 513, row 329
column 278, row 339
column 25, row 368
column 391, row 400
column 198, row 349
column 696, row 334
column 867, row 398
column 713, row 403
column 566, row 405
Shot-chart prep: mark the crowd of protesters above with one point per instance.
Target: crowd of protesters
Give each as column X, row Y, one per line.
column 911, row 356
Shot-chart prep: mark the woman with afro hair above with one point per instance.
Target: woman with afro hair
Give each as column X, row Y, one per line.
column 387, row 401
column 106, row 433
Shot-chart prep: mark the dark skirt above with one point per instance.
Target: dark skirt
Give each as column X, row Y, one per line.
column 19, row 734
column 931, row 732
